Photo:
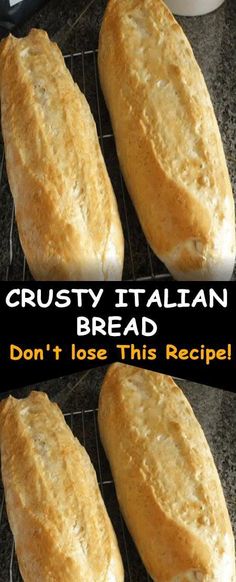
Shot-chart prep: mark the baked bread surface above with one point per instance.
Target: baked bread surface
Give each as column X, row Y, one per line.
column 60, row 525
column 167, row 139
column 66, row 210
column 165, row 477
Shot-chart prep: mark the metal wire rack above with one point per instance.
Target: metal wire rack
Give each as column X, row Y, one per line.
column 140, row 262
column 84, row 426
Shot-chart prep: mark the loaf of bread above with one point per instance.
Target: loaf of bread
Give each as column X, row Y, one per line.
column 165, row 477
column 167, row 139
column 66, row 210
column 60, row 525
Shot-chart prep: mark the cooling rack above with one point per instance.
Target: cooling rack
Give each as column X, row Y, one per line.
column 140, row 262
column 84, row 426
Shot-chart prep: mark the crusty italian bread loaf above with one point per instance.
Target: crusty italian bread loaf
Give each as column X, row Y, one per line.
column 60, row 525
column 166, row 481
column 167, row 139
column 66, row 210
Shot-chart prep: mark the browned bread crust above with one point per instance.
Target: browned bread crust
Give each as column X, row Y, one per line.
column 165, row 477
column 167, row 139
column 66, row 210
column 60, row 525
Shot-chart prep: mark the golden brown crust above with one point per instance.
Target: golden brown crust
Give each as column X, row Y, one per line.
column 167, row 139
column 66, row 210
column 60, row 526
column 166, row 481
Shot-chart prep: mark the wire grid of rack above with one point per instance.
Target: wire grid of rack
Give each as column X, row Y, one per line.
column 84, row 426
column 140, row 262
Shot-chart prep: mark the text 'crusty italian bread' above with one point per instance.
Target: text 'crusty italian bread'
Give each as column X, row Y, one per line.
column 65, row 207
column 167, row 139
column 165, row 477
column 60, row 525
